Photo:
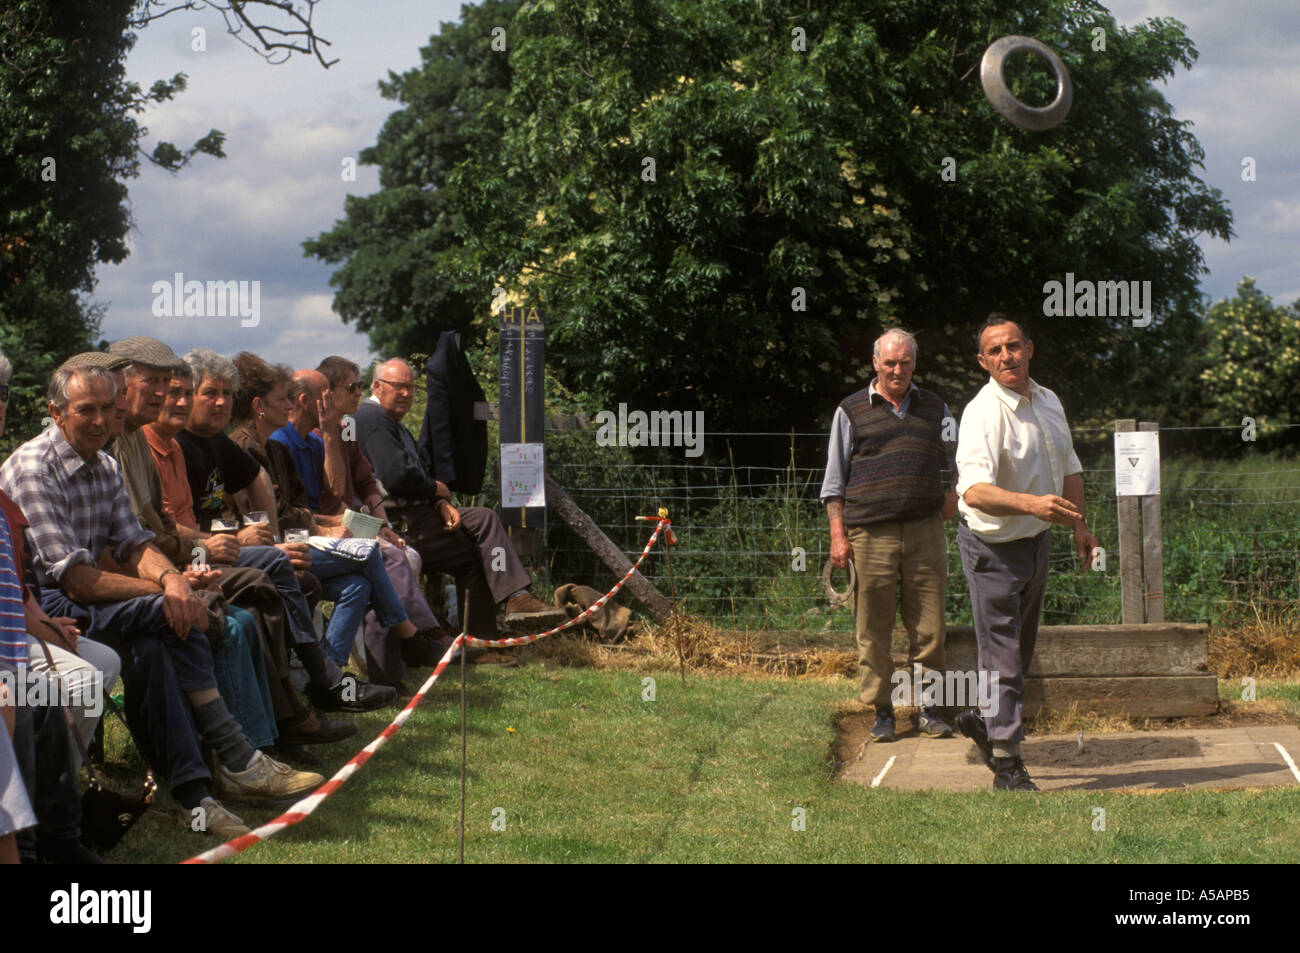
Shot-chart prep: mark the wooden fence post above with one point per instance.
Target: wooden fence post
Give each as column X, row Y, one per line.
column 1141, row 553
column 1153, row 575
column 1130, row 548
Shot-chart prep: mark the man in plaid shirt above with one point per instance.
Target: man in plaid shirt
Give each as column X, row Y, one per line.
column 76, row 504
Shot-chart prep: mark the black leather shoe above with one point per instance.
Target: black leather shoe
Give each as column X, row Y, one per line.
column 971, row 724
column 883, row 729
column 352, row 694
column 421, row 650
column 1009, row 774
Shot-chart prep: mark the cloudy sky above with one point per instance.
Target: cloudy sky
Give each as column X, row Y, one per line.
column 290, row 127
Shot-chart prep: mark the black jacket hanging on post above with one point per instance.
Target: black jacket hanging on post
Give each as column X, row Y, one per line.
column 453, row 445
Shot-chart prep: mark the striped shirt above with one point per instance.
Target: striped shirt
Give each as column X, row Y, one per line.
column 13, row 625
column 73, row 508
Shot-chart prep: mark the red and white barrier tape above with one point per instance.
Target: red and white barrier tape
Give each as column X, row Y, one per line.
column 305, row 808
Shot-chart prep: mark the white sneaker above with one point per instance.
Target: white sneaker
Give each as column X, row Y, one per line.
column 219, row 821
column 265, row 778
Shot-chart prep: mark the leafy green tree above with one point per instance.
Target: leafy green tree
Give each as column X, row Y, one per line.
column 1251, row 362
column 70, row 142
column 673, row 179
column 390, row 281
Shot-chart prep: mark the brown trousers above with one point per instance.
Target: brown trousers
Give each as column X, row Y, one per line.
column 884, row 554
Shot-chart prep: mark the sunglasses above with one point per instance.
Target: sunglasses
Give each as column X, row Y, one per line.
column 4, row 393
column 351, row 388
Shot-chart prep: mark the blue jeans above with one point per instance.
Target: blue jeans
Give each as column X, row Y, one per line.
column 158, row 670
column 241, row 677
column 277, row 567
column 352, row 586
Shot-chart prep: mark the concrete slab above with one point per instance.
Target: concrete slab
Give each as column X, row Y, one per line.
column 1250, row 756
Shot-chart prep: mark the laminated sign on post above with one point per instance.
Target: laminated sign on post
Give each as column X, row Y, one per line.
column 1137, row 463
column 523, row 475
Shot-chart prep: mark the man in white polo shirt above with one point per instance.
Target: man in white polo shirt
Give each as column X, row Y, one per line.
column 1017, row 473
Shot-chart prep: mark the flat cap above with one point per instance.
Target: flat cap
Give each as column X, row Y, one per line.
column 113, row 362
column 139, row 349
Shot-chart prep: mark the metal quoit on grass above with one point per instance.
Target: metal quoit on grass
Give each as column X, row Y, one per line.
column 1032, row 118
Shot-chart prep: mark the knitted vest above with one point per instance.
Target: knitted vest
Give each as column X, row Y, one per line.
column 894, row 473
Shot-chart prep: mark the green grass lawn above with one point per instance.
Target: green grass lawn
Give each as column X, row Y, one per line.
column 711, row 771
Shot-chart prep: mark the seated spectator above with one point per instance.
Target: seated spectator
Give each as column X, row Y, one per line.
column 47, row 755
column 16, row 812
column 255, row 578
column 237, row 646
column 319, row 460
column 330, row 688
column 85, row 667
column 72, row 495
column 361, row 490
column 218, row 470
column 42, row 746
column 423, row 504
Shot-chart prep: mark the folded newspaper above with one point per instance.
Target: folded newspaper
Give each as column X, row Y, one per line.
column 353, row 548
column 362, row 524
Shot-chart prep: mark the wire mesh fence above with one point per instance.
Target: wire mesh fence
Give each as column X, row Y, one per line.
column 753, row 538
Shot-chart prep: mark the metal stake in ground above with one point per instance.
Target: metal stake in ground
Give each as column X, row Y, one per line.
column 464, row 618
column 669, row 539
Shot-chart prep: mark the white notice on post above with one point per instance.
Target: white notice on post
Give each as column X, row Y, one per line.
column 523, row 475
column 1137, row 463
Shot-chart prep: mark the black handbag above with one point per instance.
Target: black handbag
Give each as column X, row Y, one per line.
column 106, row 815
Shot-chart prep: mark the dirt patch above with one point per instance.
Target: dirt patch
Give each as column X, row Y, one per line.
column 705, row 648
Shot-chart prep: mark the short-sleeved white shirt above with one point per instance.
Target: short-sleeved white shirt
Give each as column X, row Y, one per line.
column 1019, row 444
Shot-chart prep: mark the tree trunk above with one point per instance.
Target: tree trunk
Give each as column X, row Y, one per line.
column 604, row 547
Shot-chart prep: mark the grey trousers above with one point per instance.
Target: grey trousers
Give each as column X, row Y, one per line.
column 1007, row 582
column 383, row 649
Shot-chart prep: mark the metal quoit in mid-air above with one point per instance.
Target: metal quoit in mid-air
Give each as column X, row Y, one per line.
column 1033, row 118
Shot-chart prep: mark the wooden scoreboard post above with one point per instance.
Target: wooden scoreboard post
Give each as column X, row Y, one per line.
column 522, row 421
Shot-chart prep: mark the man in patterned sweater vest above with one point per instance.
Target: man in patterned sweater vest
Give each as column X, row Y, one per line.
column 887, row 491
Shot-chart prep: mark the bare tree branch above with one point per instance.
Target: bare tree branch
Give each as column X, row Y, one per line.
column 273, row 43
